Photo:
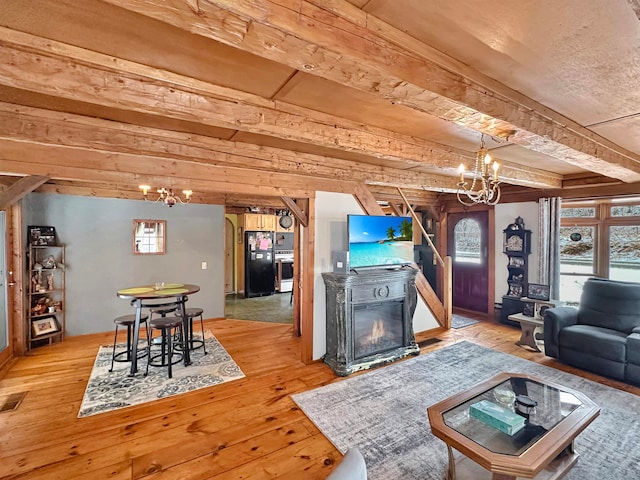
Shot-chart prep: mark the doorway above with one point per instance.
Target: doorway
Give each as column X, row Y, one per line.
column 275, row 308
column 467, row 244
column 229, row 257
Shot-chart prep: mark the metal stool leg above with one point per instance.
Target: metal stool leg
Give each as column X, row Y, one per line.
column 204, row 345
column 113, row 351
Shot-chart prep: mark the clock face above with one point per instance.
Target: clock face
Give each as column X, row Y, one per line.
column 514, row 243
column 285, row 221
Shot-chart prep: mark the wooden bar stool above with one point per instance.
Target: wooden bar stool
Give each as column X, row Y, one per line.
column 127, row 321
column 194, row 343
column 168, row 326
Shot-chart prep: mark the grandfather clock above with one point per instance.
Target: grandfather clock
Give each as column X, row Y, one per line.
column 517, row 248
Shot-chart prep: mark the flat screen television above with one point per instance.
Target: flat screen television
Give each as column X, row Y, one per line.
column 379, row 241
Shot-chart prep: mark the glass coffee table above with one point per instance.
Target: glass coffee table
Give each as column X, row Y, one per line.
column 540, row 448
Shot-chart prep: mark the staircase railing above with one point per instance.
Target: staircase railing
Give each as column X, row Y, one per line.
column 442, row 311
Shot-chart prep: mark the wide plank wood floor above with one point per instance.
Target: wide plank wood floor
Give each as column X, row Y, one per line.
column 245, row 429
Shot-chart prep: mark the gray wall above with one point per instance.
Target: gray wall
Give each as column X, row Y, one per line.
column 98, row 233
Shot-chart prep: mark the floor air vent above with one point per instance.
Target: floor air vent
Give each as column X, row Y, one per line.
column 12, row 402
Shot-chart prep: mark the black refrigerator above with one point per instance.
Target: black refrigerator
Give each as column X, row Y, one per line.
column 259, row 264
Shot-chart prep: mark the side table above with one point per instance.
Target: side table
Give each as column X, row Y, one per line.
column 530, row 327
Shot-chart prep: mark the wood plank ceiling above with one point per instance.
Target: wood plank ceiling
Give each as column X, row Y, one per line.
column 244, row 101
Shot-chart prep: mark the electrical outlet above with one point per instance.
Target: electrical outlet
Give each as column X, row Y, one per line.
column 204, row 265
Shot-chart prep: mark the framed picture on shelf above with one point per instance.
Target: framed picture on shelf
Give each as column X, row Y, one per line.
column 528, row 309
column 40, row 236
column 42, row 326
column 535, row 291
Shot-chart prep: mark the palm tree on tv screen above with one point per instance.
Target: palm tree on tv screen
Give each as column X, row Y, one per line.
column 405, row 229
column 391, row 233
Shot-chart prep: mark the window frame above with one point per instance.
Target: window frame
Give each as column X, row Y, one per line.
column 601, row 223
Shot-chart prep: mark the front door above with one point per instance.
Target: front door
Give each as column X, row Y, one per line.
column 468, row 246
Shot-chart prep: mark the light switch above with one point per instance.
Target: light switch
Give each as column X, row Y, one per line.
column 204, row 265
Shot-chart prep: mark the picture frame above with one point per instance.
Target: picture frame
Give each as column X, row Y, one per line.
column 149, row 237
column 43, row 326
column 541, row 308
column 536, row 291
column 41, row 236
column 528, row 309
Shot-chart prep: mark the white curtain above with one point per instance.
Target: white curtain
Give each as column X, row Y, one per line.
column 549, row 244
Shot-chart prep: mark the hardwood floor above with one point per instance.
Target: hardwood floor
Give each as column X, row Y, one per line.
column 245, row 429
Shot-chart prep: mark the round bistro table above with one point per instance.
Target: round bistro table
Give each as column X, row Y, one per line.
column 146, row 296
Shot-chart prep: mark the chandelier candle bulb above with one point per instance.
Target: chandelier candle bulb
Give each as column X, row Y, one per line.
column 166, row 196
column 488, row 186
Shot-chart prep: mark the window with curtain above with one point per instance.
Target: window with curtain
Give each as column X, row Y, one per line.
column 599, row 238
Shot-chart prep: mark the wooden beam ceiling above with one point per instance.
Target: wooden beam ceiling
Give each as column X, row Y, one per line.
column 346, row 45
column 93, row 81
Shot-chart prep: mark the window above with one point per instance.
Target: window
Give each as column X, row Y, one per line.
column 598, row 239
column 467, row 238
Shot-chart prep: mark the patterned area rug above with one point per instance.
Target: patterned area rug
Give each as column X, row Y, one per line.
column 108, row 391
column 384, row 414
column 458, row 321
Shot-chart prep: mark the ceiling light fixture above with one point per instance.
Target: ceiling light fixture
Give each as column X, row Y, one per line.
column 166, row 196
column 485, row 175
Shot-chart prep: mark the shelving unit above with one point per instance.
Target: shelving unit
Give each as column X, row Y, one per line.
column 46, row 295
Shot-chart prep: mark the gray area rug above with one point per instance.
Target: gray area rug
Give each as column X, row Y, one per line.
column 384, row 414
column 107, row 391
column 458, row 321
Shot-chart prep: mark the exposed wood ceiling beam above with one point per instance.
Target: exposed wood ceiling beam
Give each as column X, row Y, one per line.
column 391, row 195
column 67, row 163
column 300, row 215
column 104, row 190
column 341, row 43
column 49, row 127
column 29, row 63
column 20, row 189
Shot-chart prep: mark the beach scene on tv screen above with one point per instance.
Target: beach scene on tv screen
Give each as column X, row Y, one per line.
column 380, row 240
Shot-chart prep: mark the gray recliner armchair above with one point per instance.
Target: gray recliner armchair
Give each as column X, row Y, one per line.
column 602, row 335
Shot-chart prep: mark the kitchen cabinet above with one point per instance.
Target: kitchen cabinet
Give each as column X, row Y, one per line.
column 260, row 221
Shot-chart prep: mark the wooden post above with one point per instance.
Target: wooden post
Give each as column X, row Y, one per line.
column 447, row 299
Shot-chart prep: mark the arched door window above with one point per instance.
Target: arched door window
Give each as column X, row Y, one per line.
column 467, row 241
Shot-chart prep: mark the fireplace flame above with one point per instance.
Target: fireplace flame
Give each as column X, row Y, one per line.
column 377, row 333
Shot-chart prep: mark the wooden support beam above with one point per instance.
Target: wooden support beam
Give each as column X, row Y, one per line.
column 300, row 215
column 56, row 128
column 60, row 162
column 20, row 189
column 28, row 63
column 394, row 208
column 307, row 272
column 366, row 200
column 346, row 45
